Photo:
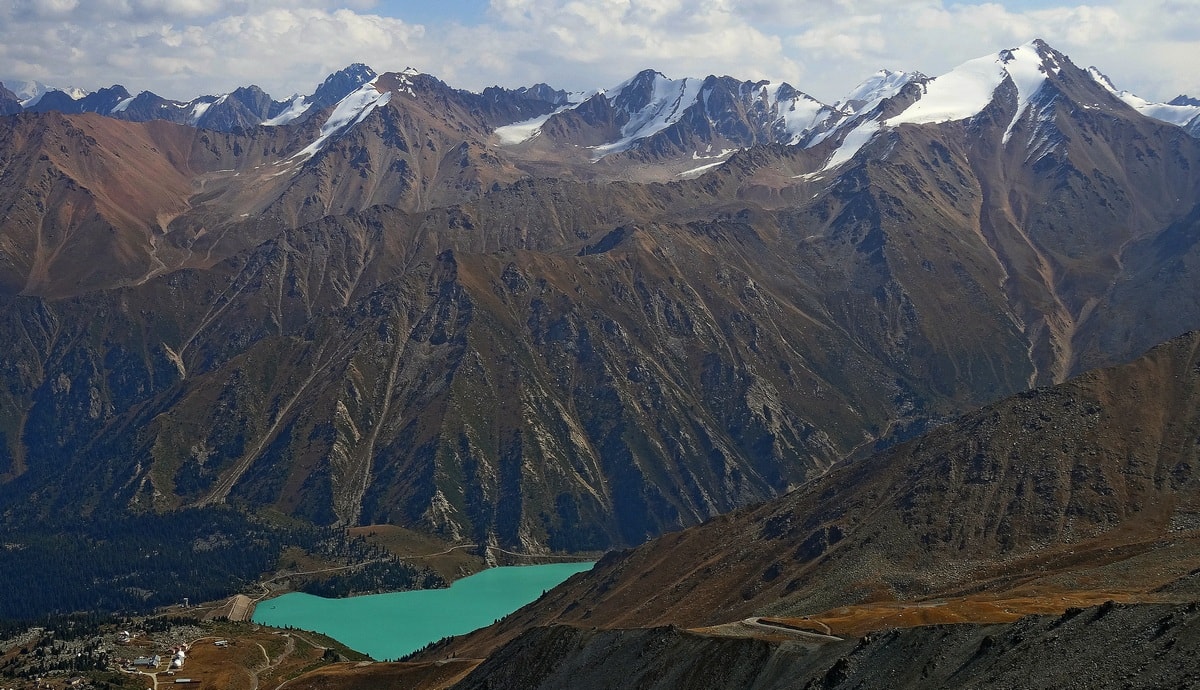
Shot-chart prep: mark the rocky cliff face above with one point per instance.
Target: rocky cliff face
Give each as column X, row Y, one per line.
column 9, row 104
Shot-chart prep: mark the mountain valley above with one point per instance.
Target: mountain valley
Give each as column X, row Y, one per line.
column 910, row 359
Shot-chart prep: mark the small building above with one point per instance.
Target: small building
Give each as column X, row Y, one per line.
column 148, row 661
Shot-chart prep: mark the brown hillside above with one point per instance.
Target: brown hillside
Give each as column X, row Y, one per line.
column 1093, row 485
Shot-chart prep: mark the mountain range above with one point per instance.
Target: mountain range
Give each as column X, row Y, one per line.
column 564, row 322
column 241, row 109
column 651, row 113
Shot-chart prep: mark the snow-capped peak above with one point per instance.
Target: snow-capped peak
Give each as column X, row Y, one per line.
column 883, row 84
column 339, row 84
column 797, row 112
column 1028, row 67
column 737, row 112
column 960, row 94
column 297, row 106
column 969, row 88
column 653, row 102
column 1184, row 114
column 374, row 90
column 30, row 92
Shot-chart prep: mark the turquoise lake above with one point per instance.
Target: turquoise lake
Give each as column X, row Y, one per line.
column 387, row 626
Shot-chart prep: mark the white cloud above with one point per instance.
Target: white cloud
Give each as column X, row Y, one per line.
column 181, row 48
column 826, row 47
column 1127, row 38
column 562, row 42
column 177, row 49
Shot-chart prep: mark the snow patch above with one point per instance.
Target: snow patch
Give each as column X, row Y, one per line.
column 708, row 150
column 720, row 158
column 123, row 105
column 852, row 143
column 1045, row 137
column 669, row 99
column 882, row 85
column 696, row 172
column 350, row 111
column 520, row 132
column 956, row 95
column 1026, row 69
column 798, row 115
column 198, row 111
column 298, row 106
column 1101, row 79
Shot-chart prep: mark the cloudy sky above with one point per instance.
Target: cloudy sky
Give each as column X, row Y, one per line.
column 183, row 48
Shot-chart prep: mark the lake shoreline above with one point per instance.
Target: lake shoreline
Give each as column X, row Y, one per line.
column 496, row 557
column 393, row 624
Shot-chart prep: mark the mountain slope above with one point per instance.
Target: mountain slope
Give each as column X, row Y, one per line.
column 1035, row 163
column 421, row 351
column 91, row 202
column 375, row 315
column 82, row 199
column 1074, row 650
column 1092, row 484
column 404, row 139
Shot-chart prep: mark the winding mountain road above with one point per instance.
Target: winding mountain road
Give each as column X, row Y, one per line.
column 759, row 623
